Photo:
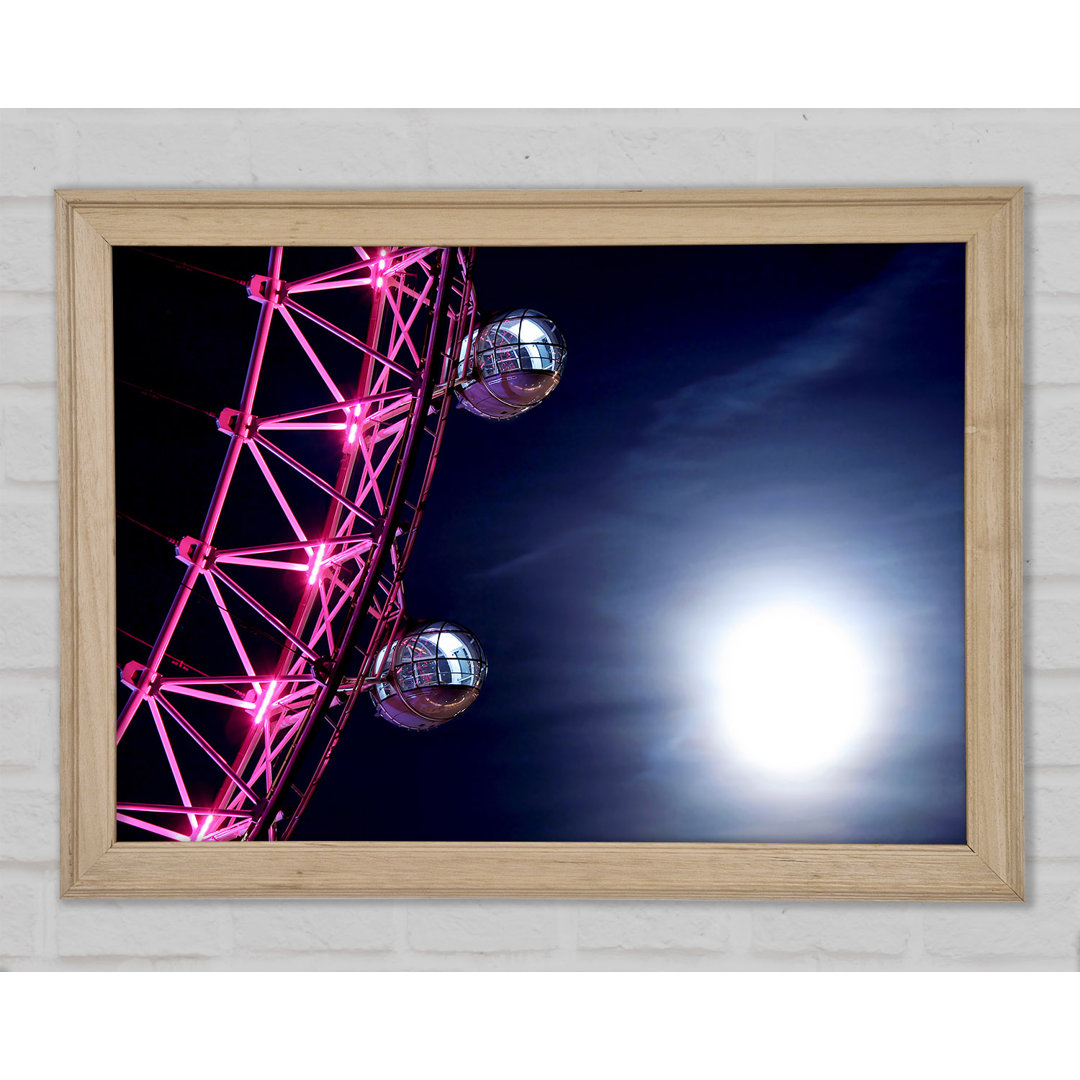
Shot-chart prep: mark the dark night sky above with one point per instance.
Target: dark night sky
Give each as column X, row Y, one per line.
column 736, row 426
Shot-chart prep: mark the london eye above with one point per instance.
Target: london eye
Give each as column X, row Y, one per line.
column 289, row 610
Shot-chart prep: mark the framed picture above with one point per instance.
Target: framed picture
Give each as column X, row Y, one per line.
column 714, row 593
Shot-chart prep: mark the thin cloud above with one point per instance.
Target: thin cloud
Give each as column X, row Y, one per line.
column 842, row 338
column 538, row 553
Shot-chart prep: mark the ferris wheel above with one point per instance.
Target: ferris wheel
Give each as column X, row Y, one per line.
column 337, row 448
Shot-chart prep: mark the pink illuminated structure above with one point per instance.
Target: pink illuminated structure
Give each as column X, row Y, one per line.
column 304, row 610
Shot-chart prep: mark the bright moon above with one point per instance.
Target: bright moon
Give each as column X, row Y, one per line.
column 794, row 689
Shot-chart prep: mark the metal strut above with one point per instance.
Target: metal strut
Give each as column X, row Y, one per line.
column 349, row 574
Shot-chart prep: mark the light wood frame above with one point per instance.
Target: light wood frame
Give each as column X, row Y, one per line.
column 989, row 867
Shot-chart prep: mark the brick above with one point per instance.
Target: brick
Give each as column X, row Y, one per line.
column 27, row 248
column 29, row 721
column 860, row 928
column 28, row 341
column 21, row 911
column 653, row 925
column 1052, row 720
column 31, row 832
column 30, row 628
column 1054, row 434
column 38, row 152
column 317, row 926
column 141, row 928
column 820, row 151
column 482, row 926
column 1041, row 156
column 463, row 151
column 1045, row 925
column 346, row 148
column 29, row 536
column 1053, row 813
column 685, row 156
column 1053, row 355
column 1052, row 533
column 29, row 436
column 130, row 148
column 1054, row 254
column 1053, row 630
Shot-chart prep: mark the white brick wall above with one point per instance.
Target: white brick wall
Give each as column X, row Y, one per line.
column 1047, row 926
column 269, row 927
column 28, row 730
column 626, row 925
column 141, row 928
column 870, row 929
column 44, row 149
column 482, row 926
column 29, row 435
column 26, row 253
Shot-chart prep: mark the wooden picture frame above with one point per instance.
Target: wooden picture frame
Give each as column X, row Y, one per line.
column 987, row 220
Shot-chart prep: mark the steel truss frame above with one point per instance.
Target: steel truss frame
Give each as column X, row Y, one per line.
column 351, row 601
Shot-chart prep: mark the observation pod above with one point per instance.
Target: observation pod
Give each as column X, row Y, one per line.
column 510, row 364
column 429, row 676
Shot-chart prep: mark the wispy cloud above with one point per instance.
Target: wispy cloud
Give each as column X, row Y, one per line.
column 550, row 545
column 840, row 339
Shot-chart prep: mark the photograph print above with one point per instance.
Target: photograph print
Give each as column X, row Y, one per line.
column 566, row 544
